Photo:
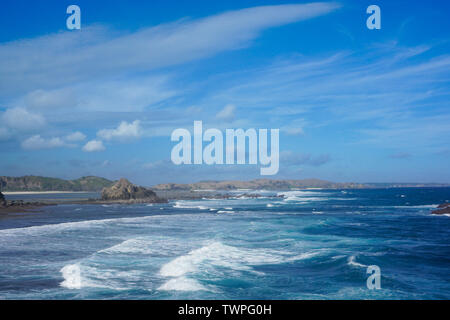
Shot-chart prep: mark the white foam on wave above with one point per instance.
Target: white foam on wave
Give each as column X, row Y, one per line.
column 57, row 227
column 188, row 205
column 78, row 276
column 425, row 206
column 85, row 224
column 308, row 196
column 72, row 276
column 299, row 193
column 182, row 284
column 132, row 246
column 352, row 262
column 304, row 199
column 146, row 246
column 226, row 211
column 208, row 257
column 305, row 255
column 217, row 254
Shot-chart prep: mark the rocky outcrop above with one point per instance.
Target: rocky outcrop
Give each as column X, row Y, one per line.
column 2, row 200
column 125, row 191
column 443, row 208
column 16, row 206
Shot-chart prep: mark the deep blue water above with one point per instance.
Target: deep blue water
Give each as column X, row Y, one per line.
column 314, row 244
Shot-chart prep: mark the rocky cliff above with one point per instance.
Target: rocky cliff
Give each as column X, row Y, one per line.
column 125, row 191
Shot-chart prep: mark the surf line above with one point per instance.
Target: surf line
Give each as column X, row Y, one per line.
column 190, row 310
column 213, row 153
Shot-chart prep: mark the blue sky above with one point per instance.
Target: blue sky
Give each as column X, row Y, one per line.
column 351, row 104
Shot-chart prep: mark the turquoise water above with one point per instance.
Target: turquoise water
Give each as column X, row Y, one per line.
column 312, row 244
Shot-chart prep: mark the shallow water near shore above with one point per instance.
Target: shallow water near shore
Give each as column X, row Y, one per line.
column 311, row 244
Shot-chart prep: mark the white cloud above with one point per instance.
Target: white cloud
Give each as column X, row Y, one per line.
column 227, row 113
column 49, row 99
column 69, row 57
column 75, row 137
column 387, row 101
column 124, row 94
column 124, row 131
column 22, row 120
column 36, row 142
column 93, row 146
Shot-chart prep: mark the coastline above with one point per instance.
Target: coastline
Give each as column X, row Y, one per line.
column 33, row 204
column 42, row 192
column 21, row 206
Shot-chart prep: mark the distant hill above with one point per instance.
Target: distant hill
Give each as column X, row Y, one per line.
column 35, row 183
column 96, row 184
column 407, row 185
column 269, row 184
column 266, row 184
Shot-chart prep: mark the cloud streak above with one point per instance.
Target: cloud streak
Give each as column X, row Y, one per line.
column 69, row 57
column 36, row 142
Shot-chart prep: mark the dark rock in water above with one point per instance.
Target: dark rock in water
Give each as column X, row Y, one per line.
column 2, row 200
column 16, row 206
column 125, row 191
column 443, row 208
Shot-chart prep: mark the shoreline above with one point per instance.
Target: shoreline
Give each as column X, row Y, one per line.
column 20, row 206
column 30, row 205
column 23, row 208
column 44, row 192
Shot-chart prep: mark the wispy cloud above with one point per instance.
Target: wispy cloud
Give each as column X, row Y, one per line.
column 386, row 98
column 45, row 80
column 227, row 113
column 97, row 52
column 333, row 108
column 36, row 142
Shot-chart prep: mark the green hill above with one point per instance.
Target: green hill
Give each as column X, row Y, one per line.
column 35, row 183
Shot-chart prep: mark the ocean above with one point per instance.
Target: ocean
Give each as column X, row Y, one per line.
column 311, row 244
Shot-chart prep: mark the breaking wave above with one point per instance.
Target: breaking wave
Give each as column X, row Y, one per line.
column 352, row 262
column 182, row 284
column 206, row 259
